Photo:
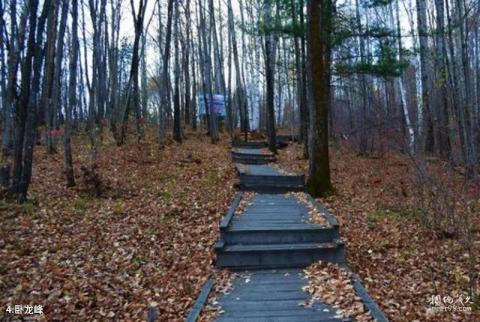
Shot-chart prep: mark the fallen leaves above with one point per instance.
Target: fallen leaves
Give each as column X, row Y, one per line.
column 333, row 285
column 315, row 215
column 260, row 152
column 282, row 170
column 223, row 285
column 148, row 239
column 400, row 260
column 245, row 202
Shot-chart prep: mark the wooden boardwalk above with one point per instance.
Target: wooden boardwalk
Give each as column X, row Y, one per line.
column 277, row 295
column 273, row 231
column 266, row 238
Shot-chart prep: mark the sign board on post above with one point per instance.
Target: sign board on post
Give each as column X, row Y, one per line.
column 218, row 104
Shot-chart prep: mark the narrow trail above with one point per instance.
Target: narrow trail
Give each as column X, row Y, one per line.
column 266, row 238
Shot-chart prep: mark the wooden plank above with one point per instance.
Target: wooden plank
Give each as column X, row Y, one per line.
column 375, row 311
column 281, row 319
column 200, row 302
column 226, row 220
column 301, row 226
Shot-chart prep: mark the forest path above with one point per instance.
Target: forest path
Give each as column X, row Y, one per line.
column 266, row 238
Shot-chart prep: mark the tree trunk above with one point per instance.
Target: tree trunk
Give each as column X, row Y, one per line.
column 403, row 95
column 72, row 97
column 194, row 89
column 303, row 135
column 319, row 76
column 270, row 49
column 57, row 74
column 238, row 72
column 26, row 107
column 49, row 76
column 426, row 83
column 133, row 91
column 469, row 147
column 164, row 95
column 186, row 63
column 13, row 60
column 442, row 114
column 207, row 70
column 177, row 135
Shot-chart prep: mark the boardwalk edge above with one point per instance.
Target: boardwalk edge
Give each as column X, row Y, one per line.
column 201, row 300
column 231, row 211
column 330, row 218
column 368, row 301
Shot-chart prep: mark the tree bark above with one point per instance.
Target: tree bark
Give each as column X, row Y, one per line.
column 270, row 49
column 238, row 71
column 26, row 107
column 72, row 97
column 442, row 114
column 320, row 16
column 177, row 135
column 164, row 95
column 426, row 83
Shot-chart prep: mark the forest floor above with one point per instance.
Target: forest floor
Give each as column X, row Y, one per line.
column 148, row 239
column 402, row 263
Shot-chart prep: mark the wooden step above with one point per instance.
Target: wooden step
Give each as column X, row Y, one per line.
column 276, row 233
column 272, row 296
column 263, row 178
column 250, row 256
column 250, row 144
column 252, row 159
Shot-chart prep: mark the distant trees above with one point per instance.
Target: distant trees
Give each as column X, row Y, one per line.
column 359, row 73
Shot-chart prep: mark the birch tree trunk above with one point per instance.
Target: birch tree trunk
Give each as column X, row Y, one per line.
column 403, row 95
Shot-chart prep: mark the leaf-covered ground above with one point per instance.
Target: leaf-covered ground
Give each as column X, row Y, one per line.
column 147, row 241
column 401, row 262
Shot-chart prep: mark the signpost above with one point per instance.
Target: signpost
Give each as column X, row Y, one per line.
column 218, row 105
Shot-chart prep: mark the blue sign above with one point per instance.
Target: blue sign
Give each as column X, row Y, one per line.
column 218, row 104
